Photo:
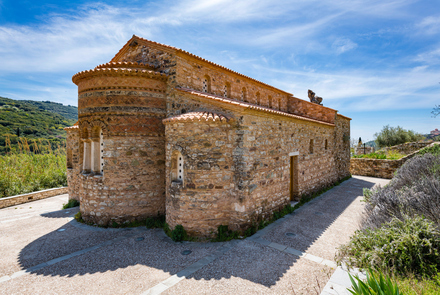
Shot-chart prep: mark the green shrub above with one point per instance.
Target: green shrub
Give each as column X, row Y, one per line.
column 178, row 234
column 155, row 222
column 375, row 284
column 78, row 217
column 70, row 204
column 409, row 246
column 225, row 234
column 434, row 150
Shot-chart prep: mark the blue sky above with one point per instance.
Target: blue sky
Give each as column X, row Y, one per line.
column 375, row 61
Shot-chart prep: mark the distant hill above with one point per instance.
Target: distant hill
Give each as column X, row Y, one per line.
column 34, row 120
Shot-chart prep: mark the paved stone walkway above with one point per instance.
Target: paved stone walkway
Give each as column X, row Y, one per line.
column 45, row 251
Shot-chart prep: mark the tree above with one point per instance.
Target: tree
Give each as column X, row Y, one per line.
column 390, row 136
column 436, row 111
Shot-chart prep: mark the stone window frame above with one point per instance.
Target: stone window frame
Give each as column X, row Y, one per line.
column 177, row 167
column 227, row 90
column 206, row 88
column 270, row 101
column 258, row 98
column 92, row 137
column 86, row 155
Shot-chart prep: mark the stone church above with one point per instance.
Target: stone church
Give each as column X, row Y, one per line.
column 162, row 131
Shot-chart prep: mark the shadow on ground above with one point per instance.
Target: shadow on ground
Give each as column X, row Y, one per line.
column 247, row 259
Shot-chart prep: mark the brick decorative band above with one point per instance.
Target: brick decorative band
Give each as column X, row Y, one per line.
column 20, row 199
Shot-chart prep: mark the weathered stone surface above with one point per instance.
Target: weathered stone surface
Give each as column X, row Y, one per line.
column 200, row 143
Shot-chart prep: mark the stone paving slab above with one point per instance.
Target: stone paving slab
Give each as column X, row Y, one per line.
column 251, row 268
column 324, row 223
column 39, row 259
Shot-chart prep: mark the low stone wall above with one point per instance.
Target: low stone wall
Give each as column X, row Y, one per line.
column 384, row 168
column 20, row 199
column 408, row 147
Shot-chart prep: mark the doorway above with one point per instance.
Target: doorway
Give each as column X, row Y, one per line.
column 294, row 191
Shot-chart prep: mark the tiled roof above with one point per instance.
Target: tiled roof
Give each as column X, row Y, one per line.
column 197, row 57
column 250, row 106
column 127, row 65
column 71, row 127
column 198, row 116
column 134, row 69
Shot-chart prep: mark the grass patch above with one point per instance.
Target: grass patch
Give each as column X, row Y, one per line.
column 225, row 234
column 72, row 203
column 389, row 155
column 433, row 150
column 411, row 285
column 26, row 172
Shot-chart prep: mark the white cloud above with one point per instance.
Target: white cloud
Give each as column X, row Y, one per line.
column 431, row 57
column 342, row 45
column 429, row 25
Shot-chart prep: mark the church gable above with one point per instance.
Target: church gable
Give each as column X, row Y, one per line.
column 160, row 57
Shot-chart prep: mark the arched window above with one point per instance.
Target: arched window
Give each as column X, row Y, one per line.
column 311, row 146
column 243, row 94
column 87, row 153
column 258, row 98
column 177, row 167
column 206, row 84
column 227, row 90
column 97, row 151
column 326, row 144
column 270, row 101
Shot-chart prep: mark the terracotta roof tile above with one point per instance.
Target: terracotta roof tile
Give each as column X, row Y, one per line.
column 247, row 105
column 198, row 116
column 112, row 68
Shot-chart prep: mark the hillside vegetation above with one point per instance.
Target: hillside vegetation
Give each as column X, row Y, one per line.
column 27, row 172
column 35, row 121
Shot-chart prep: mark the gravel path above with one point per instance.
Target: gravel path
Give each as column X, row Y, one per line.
column 45, row 251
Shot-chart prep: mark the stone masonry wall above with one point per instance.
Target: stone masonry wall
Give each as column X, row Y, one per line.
column 258, row 146
column 382, row 168
column 129, row 113
column 342, row 146
column 73, row 165
column 207, row 197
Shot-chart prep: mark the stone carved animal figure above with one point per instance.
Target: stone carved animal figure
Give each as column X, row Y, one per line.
column 313, row 98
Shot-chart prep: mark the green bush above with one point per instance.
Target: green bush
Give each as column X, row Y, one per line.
column 375, row 284
column 408, row 246
column 434, row 150
column 155, row 222
column 178, row 234
column 390, row 136
column 70, row 204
